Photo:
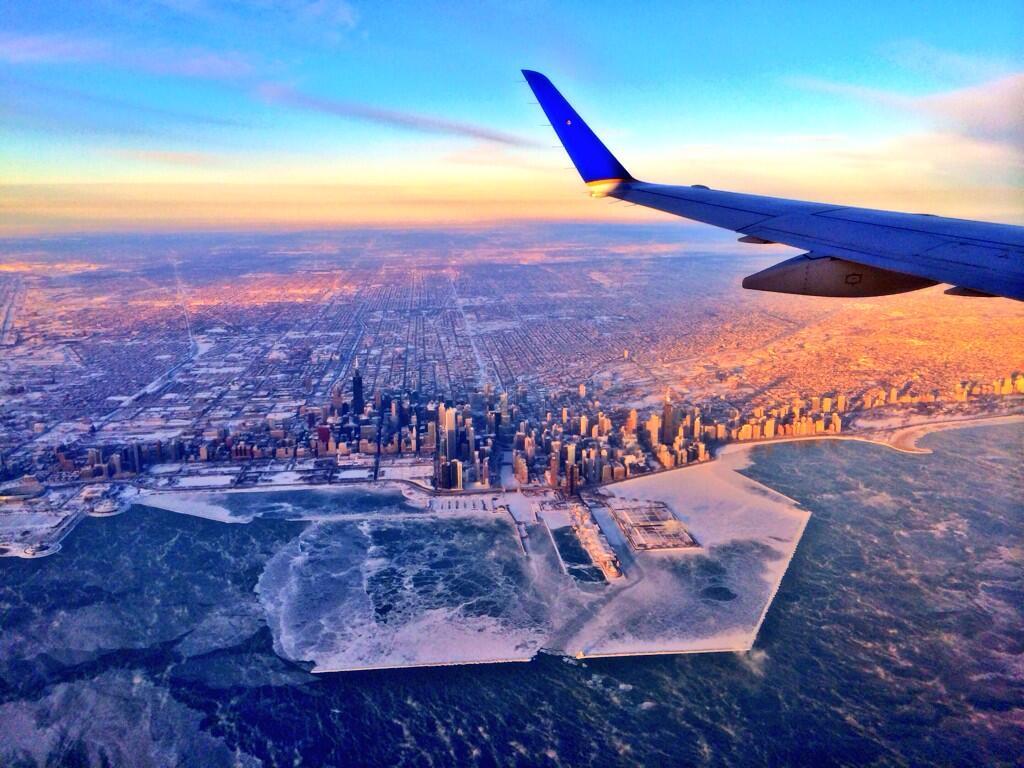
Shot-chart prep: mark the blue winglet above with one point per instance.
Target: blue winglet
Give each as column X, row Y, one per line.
column 591, row 158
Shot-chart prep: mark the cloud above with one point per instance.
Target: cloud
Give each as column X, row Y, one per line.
column 169, row 157
column 921, row 57
column 38, row 97
column 336, row 12
column 490, row 155
column 195, row 63
column 287, row 96
column 27, row 49
column 191, row 62
column 327, row 16
column 991, row 111
column 947, row 174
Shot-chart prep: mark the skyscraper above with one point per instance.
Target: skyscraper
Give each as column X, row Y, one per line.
column 668, row 422
column 357, row 393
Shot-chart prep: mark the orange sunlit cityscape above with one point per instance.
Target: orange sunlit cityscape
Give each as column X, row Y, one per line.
column 461, row 374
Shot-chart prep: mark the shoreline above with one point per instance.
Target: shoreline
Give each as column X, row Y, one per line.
column 903, row 439
column 418, row 665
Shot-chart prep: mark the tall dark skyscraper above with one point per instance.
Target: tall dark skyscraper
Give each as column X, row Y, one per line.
column 668, row 422
column 357, row 393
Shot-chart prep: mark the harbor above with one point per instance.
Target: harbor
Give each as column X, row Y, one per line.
column 500, row 577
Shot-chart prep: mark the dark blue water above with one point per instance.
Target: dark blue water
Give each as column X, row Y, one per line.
column 897, row 638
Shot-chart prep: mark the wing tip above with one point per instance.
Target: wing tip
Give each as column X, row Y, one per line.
column 587, row 152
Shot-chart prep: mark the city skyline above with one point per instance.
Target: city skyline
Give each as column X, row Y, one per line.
column 620, row 347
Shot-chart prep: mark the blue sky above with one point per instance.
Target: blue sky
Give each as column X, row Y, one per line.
column 910, row 100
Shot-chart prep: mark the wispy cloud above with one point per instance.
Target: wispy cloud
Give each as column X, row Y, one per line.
column 335, row 12
column 920, row 57
column 28, row 96
column 991, row 111
column 326, row 17
column 169, row 157
column 59, row 48
column 490, row 155
column 944, row 173
column 28, row 49
column 287, row 96
column 200, row 64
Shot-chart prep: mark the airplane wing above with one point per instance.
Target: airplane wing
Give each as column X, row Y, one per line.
column 849, row 251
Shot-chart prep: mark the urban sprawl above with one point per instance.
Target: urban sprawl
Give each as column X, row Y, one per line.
column 563, row 369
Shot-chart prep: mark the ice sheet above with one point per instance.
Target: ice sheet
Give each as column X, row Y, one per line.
column 387, row 576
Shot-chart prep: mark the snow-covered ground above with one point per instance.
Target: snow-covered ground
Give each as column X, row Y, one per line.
column 710, row 599
column 718, row 504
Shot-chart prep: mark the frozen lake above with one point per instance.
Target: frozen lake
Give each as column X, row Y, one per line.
column 376, row 579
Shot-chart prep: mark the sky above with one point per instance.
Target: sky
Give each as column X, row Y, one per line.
column 297, row 114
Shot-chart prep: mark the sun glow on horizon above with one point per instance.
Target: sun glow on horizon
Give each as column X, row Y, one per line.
column 135, row 121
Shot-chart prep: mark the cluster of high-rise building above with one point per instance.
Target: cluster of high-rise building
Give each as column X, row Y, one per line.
column 1005, row 385
column 963, row 390
column 241, row 364
column 466, row 442
column 102, row 463
column 564, row 442
column 801, row 417
column 876, row 397
column 572, row 446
